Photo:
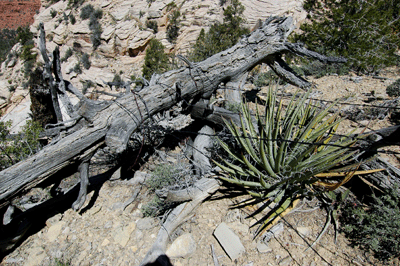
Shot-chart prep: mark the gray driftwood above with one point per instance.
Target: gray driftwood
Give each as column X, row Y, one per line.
column 113, row 122
column 194, row 196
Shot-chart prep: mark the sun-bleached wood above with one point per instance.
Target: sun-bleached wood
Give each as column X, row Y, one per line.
column 113, row 122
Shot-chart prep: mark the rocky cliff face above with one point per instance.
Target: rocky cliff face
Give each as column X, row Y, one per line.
column 125, row 36
column 16, row 13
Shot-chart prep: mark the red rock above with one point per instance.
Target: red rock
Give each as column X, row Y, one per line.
column 16, row 13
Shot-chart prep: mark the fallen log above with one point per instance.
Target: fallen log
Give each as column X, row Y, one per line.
column 113, row 122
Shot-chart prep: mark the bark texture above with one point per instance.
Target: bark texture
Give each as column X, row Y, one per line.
column 114, row 122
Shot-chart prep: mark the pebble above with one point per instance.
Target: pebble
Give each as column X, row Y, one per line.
column 263, row 248
column 274, row 231
column 53, row 220
column 285, row 261
column 304, row 231
column 182, row 247
column 54, row 231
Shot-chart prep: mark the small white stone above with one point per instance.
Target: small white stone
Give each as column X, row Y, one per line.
column 304, row 231
column 54, row 231
column 263, row 248
column 182, row 247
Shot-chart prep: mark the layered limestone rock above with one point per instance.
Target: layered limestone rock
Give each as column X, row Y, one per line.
column 124, row 23
column 125, row 36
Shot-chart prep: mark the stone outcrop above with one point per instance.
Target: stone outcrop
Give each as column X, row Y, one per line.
column 124, row 24
column 125, row 37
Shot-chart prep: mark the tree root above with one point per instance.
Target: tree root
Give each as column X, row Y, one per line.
column 201, row 190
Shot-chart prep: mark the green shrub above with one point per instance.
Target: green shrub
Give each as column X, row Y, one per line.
column 173, row 26
column 72, row 19
column 42, row 110
column 25, row 37
column 85, row 61
column 53, row 13
column 97, row 14
column 155, row 61
column 163, row 176
column 29, row 57
column 233, row 107
column 117, row 78
column 65, row 17
column 75, row 3
column 86, row 85
column 77, row 68
column 87, row 11
column 155, row 207
column 220, row 36
column 393, row 90
column 375, row 228
column 318, row 69
column 26, row 53
column 67, row 55
column 280, row 161
column 8, row 38
column 365, row 32
column 267, row 79
column 152, row 24
column 96, row 35
column 61, row 262
column 20, row 146
column 95, row 27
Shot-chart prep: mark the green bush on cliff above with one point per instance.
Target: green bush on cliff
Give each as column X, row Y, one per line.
column 221, row 36
column 173, row 26
column 7, row 41
column 17, row 147
column 89, row 12
column 155, row 61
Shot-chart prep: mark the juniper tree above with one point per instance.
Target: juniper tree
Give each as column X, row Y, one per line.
column 366, row 32
column 155, row 61
column 221, row 35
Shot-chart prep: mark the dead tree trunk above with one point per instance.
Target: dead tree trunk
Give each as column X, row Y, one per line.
column 113, row 122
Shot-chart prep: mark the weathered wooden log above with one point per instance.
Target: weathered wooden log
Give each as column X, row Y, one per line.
column 234, row 88
column 388, row 179
column 114, row 122
column 202, row 150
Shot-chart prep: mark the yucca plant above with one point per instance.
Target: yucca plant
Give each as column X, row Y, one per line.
column 284, row 154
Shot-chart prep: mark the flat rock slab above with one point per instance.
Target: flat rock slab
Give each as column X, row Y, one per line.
column 229, row 241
